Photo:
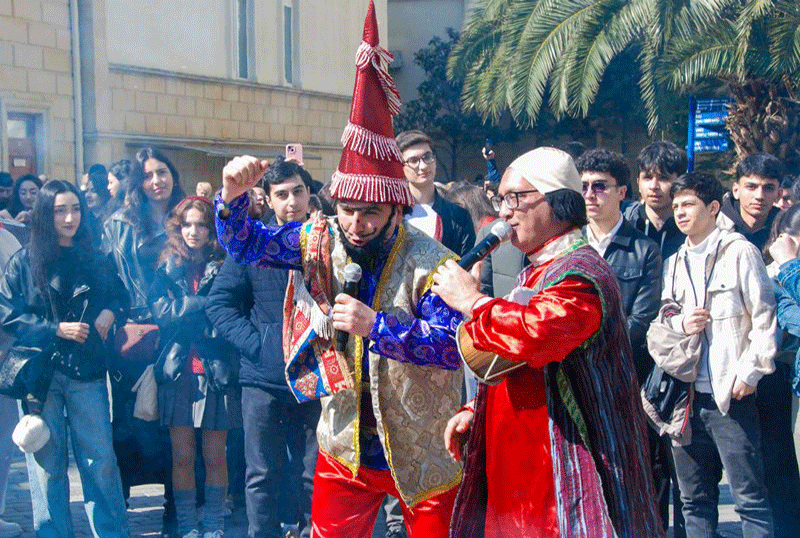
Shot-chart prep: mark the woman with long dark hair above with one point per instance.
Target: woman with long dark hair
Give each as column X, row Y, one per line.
column 97, row 194
column 23, row 197
column 135, row 233
column 118, row 181
column 782, row 252
column 194, row 366
column 135, row 237
column 61, row 290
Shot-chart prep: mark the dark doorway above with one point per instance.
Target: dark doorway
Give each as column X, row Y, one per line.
column 21, row 131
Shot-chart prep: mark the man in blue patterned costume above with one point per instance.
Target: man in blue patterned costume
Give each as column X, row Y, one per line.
column 387, row 398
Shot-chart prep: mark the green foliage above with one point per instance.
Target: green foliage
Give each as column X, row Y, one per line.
column 523, row 55
column 437, row 111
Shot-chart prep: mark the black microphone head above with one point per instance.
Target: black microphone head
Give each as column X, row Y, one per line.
column 501, row 229
column 352, row 272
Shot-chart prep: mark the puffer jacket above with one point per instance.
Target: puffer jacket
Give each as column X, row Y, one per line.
column 245, row 305
column 179, row 311
column 122, row 242
column 28, row 314
column 740, row 299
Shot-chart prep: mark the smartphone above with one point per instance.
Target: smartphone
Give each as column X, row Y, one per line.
column 294, row 152
column 488, row 149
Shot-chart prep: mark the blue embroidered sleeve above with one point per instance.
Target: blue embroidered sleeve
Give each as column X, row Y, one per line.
column 428, row 340
column 250, row 241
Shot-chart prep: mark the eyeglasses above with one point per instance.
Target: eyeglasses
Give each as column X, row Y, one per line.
column 426, row 157
column 597, row 187
column 511, row 199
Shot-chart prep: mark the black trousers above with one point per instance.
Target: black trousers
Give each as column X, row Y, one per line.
column 281, row 451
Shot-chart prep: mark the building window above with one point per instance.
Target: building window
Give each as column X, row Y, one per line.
column 242, row 28
column 288, row 45
column 244, row 40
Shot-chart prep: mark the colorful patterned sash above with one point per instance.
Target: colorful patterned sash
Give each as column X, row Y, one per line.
column 313, row 368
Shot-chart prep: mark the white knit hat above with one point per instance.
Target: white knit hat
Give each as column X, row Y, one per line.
column 31, row 434
column 547, row 169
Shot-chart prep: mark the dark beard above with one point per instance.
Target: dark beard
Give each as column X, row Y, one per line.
column 367, row 254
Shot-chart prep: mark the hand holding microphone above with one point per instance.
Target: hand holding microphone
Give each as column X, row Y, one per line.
column 351, row 316
column 459, row 288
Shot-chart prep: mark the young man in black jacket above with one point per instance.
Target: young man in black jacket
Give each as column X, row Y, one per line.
column 749, row 209
column 246, row 307
column 660, row 163
column 441, row 219
column 637, row 262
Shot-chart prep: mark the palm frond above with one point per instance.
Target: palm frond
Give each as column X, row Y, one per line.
column 784, row 40
column 751, row 12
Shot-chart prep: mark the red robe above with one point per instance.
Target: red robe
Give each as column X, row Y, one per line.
column 559, row 448
column 521, row 492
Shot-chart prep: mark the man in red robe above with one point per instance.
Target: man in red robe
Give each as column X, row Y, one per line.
column 559, row 446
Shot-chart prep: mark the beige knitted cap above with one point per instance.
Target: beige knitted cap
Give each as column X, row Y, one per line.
column 547, row 169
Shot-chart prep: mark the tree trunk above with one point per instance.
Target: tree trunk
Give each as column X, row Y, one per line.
column 766, row 118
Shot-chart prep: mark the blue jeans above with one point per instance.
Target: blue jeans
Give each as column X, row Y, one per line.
column 732, row 441
column 9, row 416
column 87, row 415
column 781, row 477
column 280, row 450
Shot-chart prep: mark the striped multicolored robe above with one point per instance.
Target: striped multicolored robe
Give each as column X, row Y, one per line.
column 558, row 448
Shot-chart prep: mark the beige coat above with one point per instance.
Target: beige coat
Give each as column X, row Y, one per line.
column 411, row 403
column 740, row 298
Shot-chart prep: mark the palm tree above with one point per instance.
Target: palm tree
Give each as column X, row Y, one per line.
column 754, row 50
column 513, row 54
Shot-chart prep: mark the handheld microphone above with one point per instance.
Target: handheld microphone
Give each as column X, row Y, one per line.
column 500, row 231
column 352, row 276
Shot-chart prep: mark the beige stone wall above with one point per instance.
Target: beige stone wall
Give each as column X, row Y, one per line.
column 221, row 118
column 36, row 77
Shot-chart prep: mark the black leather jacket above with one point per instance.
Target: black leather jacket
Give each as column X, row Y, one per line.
column 29, row 315
column 180, row 313
column 636, row 260
column 125, row 246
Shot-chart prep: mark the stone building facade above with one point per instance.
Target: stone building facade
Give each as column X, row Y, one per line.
column 203, row 81
column 37, row 88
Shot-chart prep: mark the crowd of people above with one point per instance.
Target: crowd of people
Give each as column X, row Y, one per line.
column 317, row 353
column 127, row 248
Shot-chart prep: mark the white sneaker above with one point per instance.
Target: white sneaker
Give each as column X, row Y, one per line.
column 194, row 533
column 215, row 534
column 9, row 529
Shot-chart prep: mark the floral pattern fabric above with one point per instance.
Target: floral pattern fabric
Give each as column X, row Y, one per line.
column 425, row 340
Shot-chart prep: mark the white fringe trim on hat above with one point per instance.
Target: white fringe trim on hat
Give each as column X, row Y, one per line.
column 380, row 59
column 371, row 188
column 369, row 143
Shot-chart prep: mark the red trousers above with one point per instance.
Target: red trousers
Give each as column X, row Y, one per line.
column 346, row 507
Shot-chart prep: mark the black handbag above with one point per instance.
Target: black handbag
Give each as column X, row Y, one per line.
column 26, row 370
column 664, row 392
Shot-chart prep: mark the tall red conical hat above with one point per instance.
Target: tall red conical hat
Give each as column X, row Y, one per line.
column 371, row 168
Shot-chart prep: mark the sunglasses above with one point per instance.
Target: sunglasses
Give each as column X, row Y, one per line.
column 597, row 187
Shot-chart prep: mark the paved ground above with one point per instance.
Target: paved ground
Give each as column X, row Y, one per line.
column 145, row 508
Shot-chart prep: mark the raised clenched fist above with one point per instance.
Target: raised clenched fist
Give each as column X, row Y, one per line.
column 240, row 175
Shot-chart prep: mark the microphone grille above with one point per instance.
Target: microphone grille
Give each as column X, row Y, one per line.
column 352, row 272
column 501, row 229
